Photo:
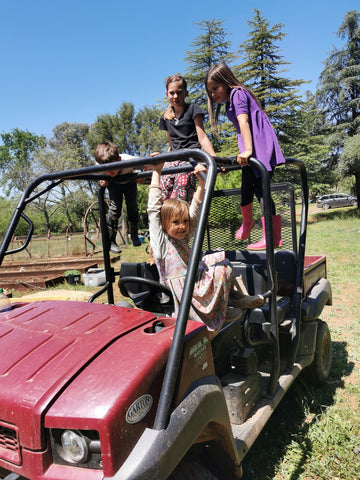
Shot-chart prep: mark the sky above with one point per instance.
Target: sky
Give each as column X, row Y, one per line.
column 72, row 60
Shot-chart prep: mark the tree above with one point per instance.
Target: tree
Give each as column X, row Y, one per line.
column 309, row 145
column 262, row 71
column 66, row 149
column 349, row 163
column 134, row 134
column 118, row 128
column 17, row 158
column 338, row 96
column 210, row 47
column 72, row 137
column 149, row 136
column 339, row 87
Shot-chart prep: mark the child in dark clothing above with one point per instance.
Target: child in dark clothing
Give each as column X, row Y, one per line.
column 107, row 153
column 183, row 123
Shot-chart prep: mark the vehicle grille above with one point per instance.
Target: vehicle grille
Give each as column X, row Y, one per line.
column 9, row 444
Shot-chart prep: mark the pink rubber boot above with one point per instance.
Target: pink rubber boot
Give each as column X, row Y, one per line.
column 248, row 222
column 261, row 244
column 277, row 231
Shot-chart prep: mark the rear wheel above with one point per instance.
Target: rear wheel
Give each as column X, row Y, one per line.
column 318, row 372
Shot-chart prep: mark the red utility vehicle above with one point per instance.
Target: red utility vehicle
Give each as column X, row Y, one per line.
column 91, row 391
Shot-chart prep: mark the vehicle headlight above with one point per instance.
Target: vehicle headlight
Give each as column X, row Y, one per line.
column 78, row 448
column 74, row 446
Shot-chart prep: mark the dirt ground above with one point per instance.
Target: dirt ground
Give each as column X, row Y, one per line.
column 61, row 294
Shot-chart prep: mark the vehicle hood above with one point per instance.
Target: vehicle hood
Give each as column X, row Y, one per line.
column 44, row 346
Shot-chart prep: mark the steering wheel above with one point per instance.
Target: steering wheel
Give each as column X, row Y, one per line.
column 156, row 289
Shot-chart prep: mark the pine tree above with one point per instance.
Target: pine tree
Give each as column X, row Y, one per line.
column 338, row 96
column 339, row 86
column 210, row 47
column 262, row 71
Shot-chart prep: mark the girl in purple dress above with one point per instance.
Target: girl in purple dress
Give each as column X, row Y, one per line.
column 256, row 138
column 171, row 226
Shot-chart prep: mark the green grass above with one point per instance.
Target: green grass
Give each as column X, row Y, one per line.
column 315, row 433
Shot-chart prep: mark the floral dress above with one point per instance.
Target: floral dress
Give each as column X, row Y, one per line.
column 214, row 278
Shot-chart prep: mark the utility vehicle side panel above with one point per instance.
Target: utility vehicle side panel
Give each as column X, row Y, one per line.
column 314, row 269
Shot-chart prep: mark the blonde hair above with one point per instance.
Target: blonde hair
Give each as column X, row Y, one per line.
column 221, row 73
column 169, row 113
column 170, row 208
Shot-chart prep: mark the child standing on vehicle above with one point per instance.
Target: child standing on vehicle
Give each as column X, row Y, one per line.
column 107, row 153
column 171, row 225
column 256, row 137
column 183, row 123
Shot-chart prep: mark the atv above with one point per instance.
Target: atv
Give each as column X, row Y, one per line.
column 92, row 391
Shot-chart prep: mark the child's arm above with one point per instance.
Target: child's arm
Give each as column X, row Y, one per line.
column 197, row 198
column 198, row 195
column 169, row 140
column 202, row 137
column 242, row 158
column 140, row 181
column 158, row 238
column 155, row 178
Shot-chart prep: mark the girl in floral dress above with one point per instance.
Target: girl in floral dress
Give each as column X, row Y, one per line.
column 171, row 226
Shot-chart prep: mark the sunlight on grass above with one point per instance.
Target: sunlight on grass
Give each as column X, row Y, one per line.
column 315, row 433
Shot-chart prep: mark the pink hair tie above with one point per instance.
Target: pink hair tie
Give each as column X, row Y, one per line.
column 173, row 78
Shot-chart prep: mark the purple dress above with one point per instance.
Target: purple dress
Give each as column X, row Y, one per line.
column 265, row 144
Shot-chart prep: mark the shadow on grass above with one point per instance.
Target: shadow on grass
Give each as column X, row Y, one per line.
column 332, row 214
column 292, row 420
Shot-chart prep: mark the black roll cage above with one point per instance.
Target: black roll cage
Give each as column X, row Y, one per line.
column 98, row 172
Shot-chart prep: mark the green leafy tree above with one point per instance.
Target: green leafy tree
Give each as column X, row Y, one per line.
column 309, row 145
column 149, row 136
column 67, row 149
column 338, row 96
column 135, row 134
column 72, row 138
column 349, row 162
column 17, row 158
column 118, row 128
column 339, row 87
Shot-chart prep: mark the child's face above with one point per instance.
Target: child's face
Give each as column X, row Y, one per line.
column 111, row 173
column 218, row 91
column 176, row 93
column 178, row 227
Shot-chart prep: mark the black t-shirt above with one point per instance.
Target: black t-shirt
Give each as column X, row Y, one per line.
column 182, row 131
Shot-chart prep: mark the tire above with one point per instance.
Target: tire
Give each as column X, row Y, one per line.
column 190, row 471
column 354, row 203
column 325, row 206
column 318, row 372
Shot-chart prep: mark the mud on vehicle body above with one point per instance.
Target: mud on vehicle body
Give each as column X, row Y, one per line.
column 92, row 391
